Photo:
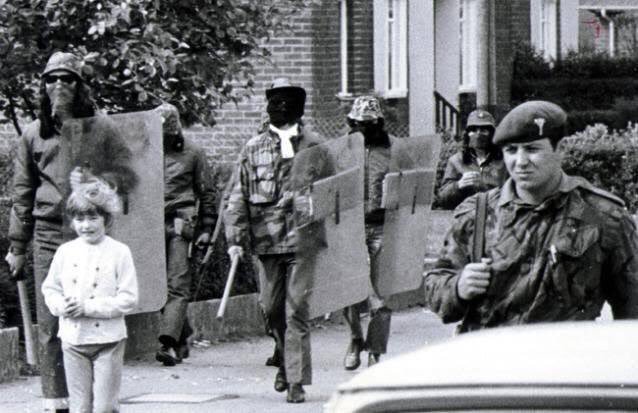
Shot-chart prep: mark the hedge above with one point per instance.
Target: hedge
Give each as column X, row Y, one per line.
column 591, row 87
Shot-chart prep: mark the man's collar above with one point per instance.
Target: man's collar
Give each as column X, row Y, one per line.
column 508, row 192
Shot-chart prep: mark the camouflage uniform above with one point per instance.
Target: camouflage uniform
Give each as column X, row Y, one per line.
column 259, row 212
column 556, row 261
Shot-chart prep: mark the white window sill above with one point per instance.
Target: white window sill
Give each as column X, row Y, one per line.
column 467, row 89
column 394, row 94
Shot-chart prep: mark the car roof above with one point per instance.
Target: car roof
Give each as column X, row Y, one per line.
column 578, row 353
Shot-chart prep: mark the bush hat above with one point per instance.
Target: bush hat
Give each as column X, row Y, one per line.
column 171, row 124
column 64, row 61
column 480, row 117
column 365, row 108
column 530, row 121
column 283, row 85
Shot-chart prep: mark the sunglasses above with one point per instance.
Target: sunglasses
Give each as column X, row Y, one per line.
column 67, row 78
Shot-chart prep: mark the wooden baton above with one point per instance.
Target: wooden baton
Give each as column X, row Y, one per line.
column 25, row 310
column 228, row 287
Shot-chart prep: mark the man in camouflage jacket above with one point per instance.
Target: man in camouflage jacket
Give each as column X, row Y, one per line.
column 259, row 213
column 556, row 247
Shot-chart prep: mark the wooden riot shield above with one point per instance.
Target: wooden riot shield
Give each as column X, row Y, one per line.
column 331, row 253
column 127, row 151
column 407, row 197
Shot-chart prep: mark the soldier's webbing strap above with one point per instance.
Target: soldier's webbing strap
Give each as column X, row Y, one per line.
column 478, row 242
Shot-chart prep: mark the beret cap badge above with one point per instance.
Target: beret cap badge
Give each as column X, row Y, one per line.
column 540, row 122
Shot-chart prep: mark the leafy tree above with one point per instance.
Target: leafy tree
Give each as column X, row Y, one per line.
column 196, row 54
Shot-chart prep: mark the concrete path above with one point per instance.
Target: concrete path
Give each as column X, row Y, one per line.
column 235, row 374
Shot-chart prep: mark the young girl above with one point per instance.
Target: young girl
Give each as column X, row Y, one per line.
column 91, row 284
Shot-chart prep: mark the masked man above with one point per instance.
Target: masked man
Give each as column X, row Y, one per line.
column 259, row 214
column 40, row 188
column 187, row 179
column 366, row 117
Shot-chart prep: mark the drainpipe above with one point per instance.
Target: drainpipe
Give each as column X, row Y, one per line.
column 483, row 58
column 344, row 48
column 612, row 31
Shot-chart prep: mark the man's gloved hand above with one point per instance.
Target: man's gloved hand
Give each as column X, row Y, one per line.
column 235, row 250
column 202, row 240
column 16, row 265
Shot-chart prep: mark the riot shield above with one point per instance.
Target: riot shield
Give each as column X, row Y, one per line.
column 407, row 197
column 126, row 150
column 331, row 251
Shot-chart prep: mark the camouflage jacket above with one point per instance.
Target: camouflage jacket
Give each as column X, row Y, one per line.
column 187, row 178
column 259, row 206
column 493, row 174
column 559, row 260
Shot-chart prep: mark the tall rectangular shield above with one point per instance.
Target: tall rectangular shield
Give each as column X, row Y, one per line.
column 408, row 194
column 332, row 253
column 127, row 149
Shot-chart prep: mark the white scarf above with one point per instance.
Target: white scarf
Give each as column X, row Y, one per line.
column 287, row 151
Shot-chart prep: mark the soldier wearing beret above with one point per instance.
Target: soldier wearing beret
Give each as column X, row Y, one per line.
column 259, row 214
column 477, row 167
column 556, row 247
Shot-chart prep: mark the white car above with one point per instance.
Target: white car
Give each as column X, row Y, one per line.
column 558, row 367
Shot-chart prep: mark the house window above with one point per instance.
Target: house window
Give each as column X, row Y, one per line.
column 397, row 42
column 544, row 27
column 468, row 37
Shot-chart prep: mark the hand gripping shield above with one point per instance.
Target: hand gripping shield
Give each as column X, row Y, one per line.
column 126, row 151
column 407, row 196
column 331, row 249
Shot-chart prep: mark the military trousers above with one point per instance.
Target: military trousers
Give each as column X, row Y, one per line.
column 283, row 298
column 174, row 314
column 376, row 340
column 47, row 237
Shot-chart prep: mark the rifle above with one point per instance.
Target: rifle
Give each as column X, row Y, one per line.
column 25, row 310
column 228, row 287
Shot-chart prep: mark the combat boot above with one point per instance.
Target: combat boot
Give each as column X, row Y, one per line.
column 373, row 358
column 281, row 384
column 296, row 393
column 352, row 359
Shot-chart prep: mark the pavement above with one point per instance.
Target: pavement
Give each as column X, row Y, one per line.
column 230, row 376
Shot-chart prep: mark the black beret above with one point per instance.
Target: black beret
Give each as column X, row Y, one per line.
column 530, row 121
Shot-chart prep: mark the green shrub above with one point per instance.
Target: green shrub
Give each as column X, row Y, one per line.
column 608, row 159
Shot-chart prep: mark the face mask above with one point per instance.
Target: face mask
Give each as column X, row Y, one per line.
column 480, row 137
column 281, row 110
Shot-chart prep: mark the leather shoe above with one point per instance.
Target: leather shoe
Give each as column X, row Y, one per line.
column 296, row 393
column 183, row 352
column 274, row 360
column 373, row 358
column 167, row 356
column 281, row 384
column 352, row 359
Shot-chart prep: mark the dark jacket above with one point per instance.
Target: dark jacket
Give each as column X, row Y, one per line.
column 187, row 178
column 493, row 174
column 41, row 173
